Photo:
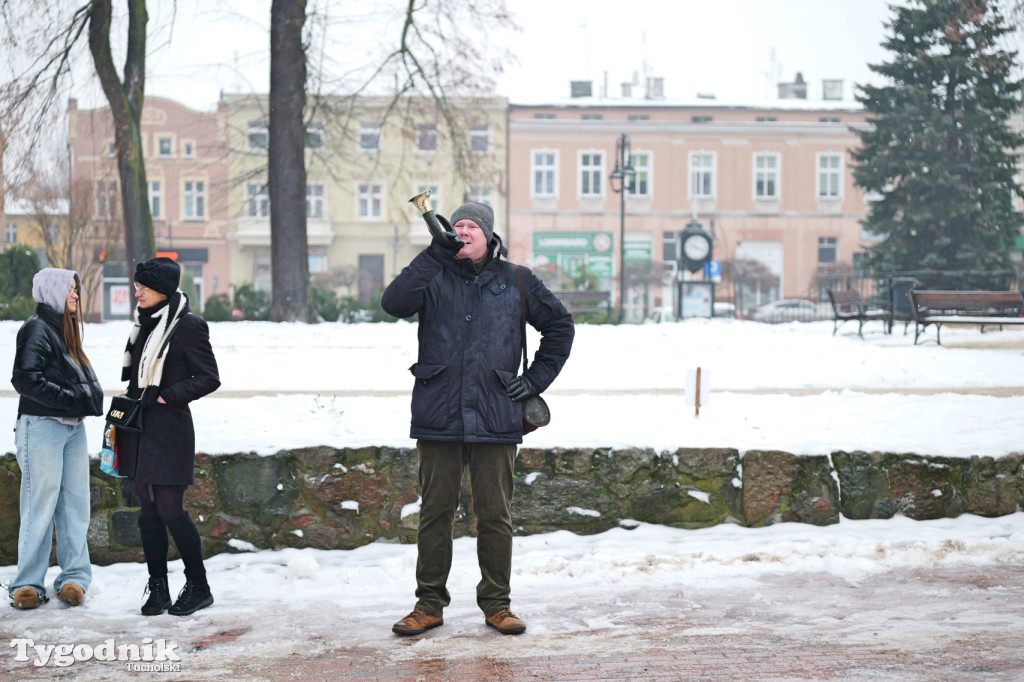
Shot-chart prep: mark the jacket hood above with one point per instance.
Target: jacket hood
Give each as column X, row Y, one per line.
column 51, row 286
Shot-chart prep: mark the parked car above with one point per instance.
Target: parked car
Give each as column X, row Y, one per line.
column 724, row 309
column 790, row 310
column 659, row 315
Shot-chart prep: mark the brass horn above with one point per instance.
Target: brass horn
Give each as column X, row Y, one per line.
column 422, row 203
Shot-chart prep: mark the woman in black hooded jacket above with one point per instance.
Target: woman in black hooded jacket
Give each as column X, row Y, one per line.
column 58, row 388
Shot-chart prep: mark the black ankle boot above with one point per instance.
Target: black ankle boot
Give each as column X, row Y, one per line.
column 159, row 597
column 194, row 596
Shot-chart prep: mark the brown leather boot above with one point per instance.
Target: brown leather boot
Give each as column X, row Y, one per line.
column 506, row 622
column 417, row 622
column 26, row 598
column 71, row 594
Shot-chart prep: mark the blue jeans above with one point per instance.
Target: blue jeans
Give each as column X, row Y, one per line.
column 54, row 462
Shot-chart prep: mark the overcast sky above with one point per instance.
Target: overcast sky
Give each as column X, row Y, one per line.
column 735, row 49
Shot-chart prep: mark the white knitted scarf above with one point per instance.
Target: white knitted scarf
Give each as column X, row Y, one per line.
column 154, row 352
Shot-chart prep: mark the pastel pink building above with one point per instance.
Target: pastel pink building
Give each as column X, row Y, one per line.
column 187, row 170
column 771, row 183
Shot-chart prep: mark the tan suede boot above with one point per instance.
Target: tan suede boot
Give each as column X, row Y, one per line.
column 506, row 622
column 417, row 622
column 71, row 594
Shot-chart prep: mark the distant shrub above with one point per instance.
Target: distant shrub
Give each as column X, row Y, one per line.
column 218, row 308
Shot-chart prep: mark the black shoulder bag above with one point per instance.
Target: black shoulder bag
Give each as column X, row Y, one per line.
column 535, row 411
column 125, row 413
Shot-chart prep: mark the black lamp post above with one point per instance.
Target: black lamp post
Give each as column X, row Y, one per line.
column 622, row 180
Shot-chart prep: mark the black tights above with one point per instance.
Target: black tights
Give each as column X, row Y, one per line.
column 167, row 502
column 165, row 511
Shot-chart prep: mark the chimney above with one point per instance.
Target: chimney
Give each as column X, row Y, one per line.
column 581, row 88
column 627, row 90
column 795, row 90
column 655, row 88
column 832, row 89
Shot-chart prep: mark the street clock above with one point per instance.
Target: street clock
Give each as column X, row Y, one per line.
column 694, row 246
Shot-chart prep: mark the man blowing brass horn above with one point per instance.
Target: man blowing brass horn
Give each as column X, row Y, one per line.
column 467, row 397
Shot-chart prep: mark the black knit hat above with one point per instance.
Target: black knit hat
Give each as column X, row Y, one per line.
column 159, row 274
column 481, row 214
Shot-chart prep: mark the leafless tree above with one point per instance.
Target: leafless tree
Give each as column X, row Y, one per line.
column 56, row 32
column 436, row 57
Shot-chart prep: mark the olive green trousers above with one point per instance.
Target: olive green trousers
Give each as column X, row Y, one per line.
column 441, row 467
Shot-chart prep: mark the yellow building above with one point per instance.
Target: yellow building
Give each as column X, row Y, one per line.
column 365, row 157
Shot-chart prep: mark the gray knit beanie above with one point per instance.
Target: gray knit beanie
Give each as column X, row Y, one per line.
column 481, row 214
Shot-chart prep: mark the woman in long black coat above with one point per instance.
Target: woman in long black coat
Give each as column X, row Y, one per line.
column 168, row 362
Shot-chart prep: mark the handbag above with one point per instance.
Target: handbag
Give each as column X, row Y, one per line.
column 126, row 413
column 536, row 412
column 108, row 455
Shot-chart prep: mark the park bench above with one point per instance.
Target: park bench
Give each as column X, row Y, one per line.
column 586, row 301
column 847, row 305
column 984, row 308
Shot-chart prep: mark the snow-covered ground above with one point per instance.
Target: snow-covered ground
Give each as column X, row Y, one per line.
column 775, row 387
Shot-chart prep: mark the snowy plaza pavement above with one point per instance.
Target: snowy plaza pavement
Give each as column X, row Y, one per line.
column 883, row 599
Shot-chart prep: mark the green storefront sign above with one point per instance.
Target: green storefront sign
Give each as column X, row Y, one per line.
column 566, row 253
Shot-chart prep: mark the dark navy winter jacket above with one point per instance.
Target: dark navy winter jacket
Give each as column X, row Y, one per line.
column 470, row 344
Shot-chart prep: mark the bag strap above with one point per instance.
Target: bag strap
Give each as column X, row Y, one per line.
column 522, row 312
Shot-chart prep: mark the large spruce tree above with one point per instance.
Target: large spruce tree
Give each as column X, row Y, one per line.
column 940, row 150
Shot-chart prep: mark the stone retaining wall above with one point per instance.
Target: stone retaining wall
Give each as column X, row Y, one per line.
column 340, row 499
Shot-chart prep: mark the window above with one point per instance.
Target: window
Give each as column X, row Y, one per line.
column 544, row 116
column 156, row 203
column 592, row 174
column 766, row 176
column 702, row 175
column 188, row 149
column 164, row 146
column 544, row 171
column 830, row 119
column 641, row 163
column 11, row 233
column 702, row 119
column 830, row 168
column 315, row 201
column 638, row 117
column 828, row 248
column 592, row 117
column 317, row 259
column 766, row 119
column 257, row 136
column 258, row 205
column 110, row 148
column 106, row 199
column 369, row 202
column 426, row 137
column 315, row 136
column 195, row 200
column 479, row 138
column 480, row 194
column 369, row 136
column 262, row 278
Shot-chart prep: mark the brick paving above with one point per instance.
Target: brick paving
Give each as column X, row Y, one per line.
column 941, row 624
column 964, row 623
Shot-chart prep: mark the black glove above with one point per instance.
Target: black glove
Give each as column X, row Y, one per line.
column 520, row 388
column 448, row 244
